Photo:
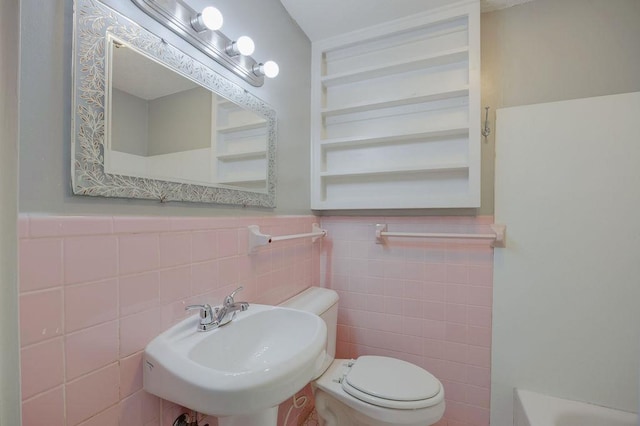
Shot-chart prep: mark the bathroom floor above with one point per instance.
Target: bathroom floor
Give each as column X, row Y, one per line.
column 312, row 420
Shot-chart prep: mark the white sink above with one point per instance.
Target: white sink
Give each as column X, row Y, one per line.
column 252, row 364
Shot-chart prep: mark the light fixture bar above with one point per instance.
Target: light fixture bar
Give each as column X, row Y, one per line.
column 177, row 16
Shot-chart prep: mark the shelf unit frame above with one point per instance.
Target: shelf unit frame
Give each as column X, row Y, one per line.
column 361, row 110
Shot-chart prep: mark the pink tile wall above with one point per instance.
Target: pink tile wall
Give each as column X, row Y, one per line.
column 425, row 301
column 95, row 290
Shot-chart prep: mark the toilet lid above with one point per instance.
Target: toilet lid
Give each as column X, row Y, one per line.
column 391, row 383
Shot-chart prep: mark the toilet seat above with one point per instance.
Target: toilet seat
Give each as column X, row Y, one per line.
column 391, row 383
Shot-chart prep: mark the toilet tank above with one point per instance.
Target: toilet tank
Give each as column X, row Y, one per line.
column 324, row 303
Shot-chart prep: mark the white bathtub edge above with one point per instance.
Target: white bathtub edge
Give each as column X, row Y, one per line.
column 535, row 409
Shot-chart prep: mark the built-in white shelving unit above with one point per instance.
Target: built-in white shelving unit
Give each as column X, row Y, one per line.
column 396, row 114
column 241, row 146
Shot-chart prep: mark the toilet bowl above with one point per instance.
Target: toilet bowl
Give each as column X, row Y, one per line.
column 370, row 390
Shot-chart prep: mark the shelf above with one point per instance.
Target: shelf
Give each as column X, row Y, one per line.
column 407, row 203
column 449, row 94
column 247, row 155
column 350, row 48
column 429, row 134
column 391, row 68
column 405, row 170
column 243, row 127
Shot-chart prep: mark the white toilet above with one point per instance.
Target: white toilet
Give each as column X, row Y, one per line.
column 371, row 390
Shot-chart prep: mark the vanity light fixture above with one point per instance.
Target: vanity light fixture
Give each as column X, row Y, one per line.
column 243, row 46
column 209, row 19
column 201, row 29
column 268, row 69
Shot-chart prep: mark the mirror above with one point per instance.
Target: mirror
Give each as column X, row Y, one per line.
column 162, row 125
column 151, row 122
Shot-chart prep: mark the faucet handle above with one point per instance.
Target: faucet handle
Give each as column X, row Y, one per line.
column 206, row 315
column 228, row 301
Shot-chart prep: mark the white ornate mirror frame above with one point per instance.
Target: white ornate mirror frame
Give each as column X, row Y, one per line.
column 93, row 22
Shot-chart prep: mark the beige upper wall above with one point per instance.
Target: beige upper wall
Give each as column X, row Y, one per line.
column 552, row 50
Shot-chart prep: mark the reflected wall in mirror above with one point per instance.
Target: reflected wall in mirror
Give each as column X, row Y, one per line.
column 151, row 122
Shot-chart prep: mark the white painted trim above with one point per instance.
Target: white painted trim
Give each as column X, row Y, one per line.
column 448, row 12
column 10, row 409
column 475, row 143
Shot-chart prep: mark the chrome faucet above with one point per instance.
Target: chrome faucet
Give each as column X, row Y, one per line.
column 211, row 318
column 223, row 313
column 206, row 316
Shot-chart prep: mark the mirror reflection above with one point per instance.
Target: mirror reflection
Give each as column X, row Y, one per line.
column 163, row 125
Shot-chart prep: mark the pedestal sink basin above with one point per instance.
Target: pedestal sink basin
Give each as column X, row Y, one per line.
column 239, row 372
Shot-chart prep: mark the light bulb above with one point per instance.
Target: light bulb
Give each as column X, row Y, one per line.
column 271, row 69
column 209, row 19
column 268, row 69
column 212, row 18
column 245, row 46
